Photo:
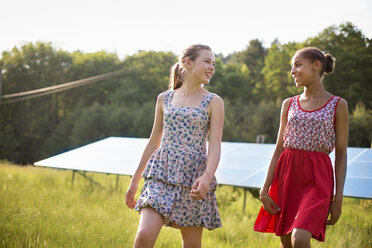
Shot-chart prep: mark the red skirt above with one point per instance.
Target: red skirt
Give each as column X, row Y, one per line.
column 303, row 189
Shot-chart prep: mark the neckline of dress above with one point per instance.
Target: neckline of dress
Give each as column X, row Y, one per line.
column 190, row 107
column 309, row 111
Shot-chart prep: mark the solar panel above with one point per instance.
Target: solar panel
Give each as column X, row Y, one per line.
column 112, row 155
column 358, row 181
column 242, row 164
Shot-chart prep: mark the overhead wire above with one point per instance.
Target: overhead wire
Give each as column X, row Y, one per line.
column 21, row 96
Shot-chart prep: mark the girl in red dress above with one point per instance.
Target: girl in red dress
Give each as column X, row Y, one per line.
column 297, row 195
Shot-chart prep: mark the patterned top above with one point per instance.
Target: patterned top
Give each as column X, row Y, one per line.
column 182, row 155
column 311, row 130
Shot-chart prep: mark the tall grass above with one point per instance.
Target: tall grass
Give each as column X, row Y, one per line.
column 39, row 207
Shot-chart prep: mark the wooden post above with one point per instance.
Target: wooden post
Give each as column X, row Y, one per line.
column 245, row 198
column 117, row 182
column 73, row 178
column 1, row 80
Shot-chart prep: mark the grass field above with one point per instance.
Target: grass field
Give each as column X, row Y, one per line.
column 40, row 208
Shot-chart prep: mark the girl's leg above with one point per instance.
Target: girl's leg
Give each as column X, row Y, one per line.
column 191, row 236
column 148, row 228
column 301, row 238
column 285, row 241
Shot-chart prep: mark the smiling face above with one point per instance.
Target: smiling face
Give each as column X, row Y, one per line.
column 304, row 71
column 202, row 68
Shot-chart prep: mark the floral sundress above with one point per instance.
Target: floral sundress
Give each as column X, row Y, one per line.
column 172, row 169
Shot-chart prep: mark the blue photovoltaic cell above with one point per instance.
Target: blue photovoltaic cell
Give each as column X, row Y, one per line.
column 365, row 156
column 358, row 187
column 228, row 176
column 255, row 180
column 358, row 181
column 241, row 164
column 359, row 169
column 243, row 161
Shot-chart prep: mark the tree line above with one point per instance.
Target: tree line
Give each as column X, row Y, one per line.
column 252, row 82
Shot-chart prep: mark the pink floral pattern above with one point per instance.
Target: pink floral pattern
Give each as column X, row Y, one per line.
column 172, row 169
column 311, row 130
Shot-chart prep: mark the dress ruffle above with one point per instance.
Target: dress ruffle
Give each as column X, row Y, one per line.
column 180, row 167
column 178, row 209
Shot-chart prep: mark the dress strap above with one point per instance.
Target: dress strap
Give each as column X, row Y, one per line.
column 291, row 103
column 168, row 97
column 207, row 99
column 334, row 111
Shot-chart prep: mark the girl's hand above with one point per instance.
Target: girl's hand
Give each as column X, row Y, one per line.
column 129, row 197
column 335, row 212
column 269, row 204
column 200, row 187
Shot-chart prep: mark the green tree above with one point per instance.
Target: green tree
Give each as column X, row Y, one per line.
column 353, row 72
column 33, row 66
column 278, row 83
column 360, row 126
column 38, row 65
column 254, row 57
column 125, row 109
column 148, row 74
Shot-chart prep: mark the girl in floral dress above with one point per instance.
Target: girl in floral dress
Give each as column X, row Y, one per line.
column 179, row 174
column 297, row 194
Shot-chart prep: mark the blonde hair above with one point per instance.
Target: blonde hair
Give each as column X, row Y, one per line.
column 178, row 71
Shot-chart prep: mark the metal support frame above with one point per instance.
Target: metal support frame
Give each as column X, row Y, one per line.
column 1, row 79
column 245, row 199
column 117, row 182
column 73, row 178
column 255, row 193
column 86, row 177
column 91, row 180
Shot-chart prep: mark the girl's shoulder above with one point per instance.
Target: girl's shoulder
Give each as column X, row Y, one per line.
column 167, row 92
column 214, row 97
column 164, row 94
column 342, row 106
column 212, row 94
column 215, row 101
column 287, row 102
column 163, row 97
column 289, row 99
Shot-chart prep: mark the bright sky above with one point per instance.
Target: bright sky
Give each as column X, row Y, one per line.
column 126, row 26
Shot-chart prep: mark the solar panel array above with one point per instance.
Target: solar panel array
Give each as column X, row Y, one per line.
column 241, row 165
